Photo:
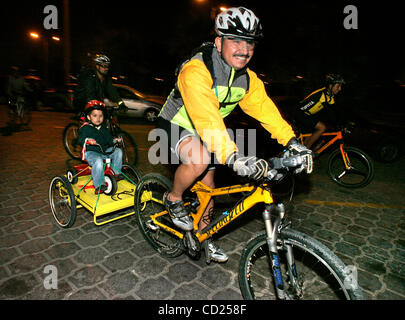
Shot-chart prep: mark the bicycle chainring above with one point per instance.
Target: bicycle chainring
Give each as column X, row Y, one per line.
column 191, row 245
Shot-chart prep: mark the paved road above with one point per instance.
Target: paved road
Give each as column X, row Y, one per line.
column 364, row 227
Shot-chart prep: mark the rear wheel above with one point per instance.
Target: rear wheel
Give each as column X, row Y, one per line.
column 360, row 169
column 62, row 201
column 129, row 149
column 131, row 173
column 148, row 202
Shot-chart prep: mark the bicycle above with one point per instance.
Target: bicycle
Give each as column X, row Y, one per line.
column 18, row 109
column 348, row 166
column 69, row 192
column 277, row 249
column 128, row 144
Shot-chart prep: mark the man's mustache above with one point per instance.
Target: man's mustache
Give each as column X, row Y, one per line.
column 242, row 55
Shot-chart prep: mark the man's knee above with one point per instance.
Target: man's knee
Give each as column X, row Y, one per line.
column 192, row 151
column 198, row 168
column 320, row 126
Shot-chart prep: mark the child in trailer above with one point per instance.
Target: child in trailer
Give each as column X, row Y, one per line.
column 93, row 135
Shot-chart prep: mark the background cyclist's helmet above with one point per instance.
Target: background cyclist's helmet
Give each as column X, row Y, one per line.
column 94, row 105
column 102, row 60
column 334, row 78
column 238, row 22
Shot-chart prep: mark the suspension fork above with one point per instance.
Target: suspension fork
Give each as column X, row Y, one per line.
column 292, row 271
column 345, row 157
column 271, row 238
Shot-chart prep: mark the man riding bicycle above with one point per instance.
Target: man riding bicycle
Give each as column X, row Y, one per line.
column 17, row 89
column 209, row 86
column 316, row 109
column 94, row 84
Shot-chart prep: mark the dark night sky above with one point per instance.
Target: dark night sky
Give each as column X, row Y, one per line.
column 149, row 39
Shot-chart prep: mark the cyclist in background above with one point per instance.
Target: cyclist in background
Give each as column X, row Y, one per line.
column 95, row 84
column 17, row 88
column 316, row 109
column 209, row 86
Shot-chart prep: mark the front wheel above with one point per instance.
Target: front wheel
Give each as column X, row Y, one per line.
column 70, row 141
column 111, row 185
column 356, row 172
column 24, row 113
column 321, row 274
column 148, row 202
column 129, row 149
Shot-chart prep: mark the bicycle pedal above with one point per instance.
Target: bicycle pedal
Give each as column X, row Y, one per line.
column 151, row 225
column 191, row 242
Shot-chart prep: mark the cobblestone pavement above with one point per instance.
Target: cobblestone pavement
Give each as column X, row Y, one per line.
column 364, row 227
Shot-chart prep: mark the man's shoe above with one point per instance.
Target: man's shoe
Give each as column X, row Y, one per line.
column 179, row 214
column 213, row 252
column 100, row 189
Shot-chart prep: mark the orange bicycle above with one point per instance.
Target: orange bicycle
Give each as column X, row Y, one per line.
column 348, row 166
column 278, row 263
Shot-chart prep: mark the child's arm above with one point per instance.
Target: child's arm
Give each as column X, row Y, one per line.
column 85, row 136
column 91, row 141
column 117, row 140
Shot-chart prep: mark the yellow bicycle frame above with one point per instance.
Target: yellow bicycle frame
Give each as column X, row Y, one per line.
column 204, row 194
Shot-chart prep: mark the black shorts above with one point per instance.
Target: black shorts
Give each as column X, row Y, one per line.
column 169, row 142
column 305, row 123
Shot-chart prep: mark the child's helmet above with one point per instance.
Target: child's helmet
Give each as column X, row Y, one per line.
column 94, row 105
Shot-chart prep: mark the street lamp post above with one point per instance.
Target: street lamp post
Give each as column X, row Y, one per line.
column 66, row 41
column 45, row 44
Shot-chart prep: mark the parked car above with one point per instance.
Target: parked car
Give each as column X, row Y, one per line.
column 383, row 143
column 378, row 111
column 139, row 105
column 60, row 99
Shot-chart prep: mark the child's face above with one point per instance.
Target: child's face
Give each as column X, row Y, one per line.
column 96, row 117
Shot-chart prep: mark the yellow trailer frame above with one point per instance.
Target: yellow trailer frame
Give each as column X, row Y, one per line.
column 101, row 205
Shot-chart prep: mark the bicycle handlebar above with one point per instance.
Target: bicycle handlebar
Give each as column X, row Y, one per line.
column 277, row 163
column 291, row 162
column 101, row 148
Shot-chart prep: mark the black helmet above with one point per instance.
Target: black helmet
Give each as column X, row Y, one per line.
column 334, row 78
column 238, row 22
